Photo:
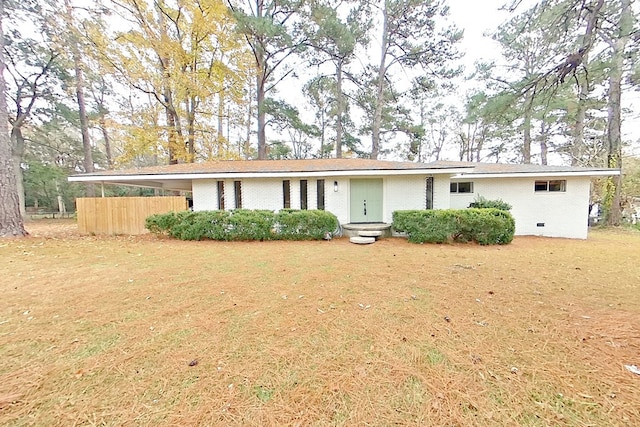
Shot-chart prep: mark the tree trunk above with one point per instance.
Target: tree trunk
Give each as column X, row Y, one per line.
column 11, row 222
column 262, row 138
column 174, row 127
column 614, row 138
column 191, row 129
column 17, row 154
column 379, row 98
column 419, row 148
column 587, row 42
column 339, row 113
column 323, row 133
column 577, row 149
column 220, row 137
column 544, row 148
column 82, row 111
column 107, row 141
column 526, row 143
column 84, row 124
column 190, row 144
column 172, row 137
column 479, row 141
column 464, row 143
column 247, row 143
column 261, row 83
column 61, row 206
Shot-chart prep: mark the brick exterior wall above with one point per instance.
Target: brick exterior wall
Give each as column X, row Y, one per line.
column 564, row 214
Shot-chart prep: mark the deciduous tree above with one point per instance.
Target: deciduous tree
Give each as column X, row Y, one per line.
column 11, row 222
column 186, row 56
column 31, row 61
column 79, row 83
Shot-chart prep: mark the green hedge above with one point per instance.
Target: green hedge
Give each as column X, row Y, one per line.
column 482, row 203
column 485, row 226
column 244, row 224
column 304, row 225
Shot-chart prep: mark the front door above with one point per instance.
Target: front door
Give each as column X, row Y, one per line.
column 366, row 200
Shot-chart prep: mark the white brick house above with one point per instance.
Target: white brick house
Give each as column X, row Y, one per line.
column 546, row 200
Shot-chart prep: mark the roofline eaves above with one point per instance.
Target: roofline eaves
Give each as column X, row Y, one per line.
column 241, row 175
column 613, row 172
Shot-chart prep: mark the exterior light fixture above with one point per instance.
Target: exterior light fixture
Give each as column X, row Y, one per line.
column 335, row 186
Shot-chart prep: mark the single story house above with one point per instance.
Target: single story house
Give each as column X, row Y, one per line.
column 546, row 200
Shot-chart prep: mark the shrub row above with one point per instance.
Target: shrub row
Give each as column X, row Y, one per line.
column 244, row 224
column 485, row 226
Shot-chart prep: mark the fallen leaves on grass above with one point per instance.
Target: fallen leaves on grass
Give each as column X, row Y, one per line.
column 533, row 340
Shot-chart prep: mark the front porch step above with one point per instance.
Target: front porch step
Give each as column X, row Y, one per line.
column 370, row 233
column 352, row 230
column 362, row 240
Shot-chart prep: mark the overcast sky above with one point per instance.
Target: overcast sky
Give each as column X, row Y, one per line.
column 479, row 16
column 475, row 18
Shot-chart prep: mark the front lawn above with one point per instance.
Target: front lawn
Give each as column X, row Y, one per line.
column 152, row 331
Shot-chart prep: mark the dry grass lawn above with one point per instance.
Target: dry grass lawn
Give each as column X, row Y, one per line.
column 150, row 331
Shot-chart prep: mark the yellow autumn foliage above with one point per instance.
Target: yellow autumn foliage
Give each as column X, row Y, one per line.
column 186, row 57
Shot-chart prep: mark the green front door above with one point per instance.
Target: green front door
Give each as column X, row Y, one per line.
column 366, row 200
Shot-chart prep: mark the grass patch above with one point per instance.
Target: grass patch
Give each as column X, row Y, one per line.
column 99, row 345
column 317, row 333
column 264, row 394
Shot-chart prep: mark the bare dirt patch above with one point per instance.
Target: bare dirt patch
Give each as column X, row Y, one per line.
column 144, row 330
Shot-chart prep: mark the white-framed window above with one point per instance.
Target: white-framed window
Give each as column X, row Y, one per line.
column 461, row 187
column 552, row 185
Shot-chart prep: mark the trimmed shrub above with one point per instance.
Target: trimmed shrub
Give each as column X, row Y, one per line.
column 199, row 226
column 165, row 223
column 490, row 226
column 485, row 226
column 482, row 203
column 244, row 224
column 431, row 226
column 305, row 224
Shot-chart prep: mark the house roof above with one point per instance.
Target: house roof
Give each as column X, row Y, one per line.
column 279, row 166
column 501, row 170
column 180, row 176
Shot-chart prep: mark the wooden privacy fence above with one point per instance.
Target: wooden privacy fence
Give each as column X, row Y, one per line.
column 122, row 215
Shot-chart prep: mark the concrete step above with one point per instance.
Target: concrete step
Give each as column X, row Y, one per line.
column 370, row 233
column 362, row 240
column 350, row 230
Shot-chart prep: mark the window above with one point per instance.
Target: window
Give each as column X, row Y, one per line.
column 541, row 186
column 552, row 185
column 429, row 186
column 221, row 195
column 320, row 191
column 558, row 185
column 303, row 194
column 237, row 187
column 286, row 193
column 461, row 187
